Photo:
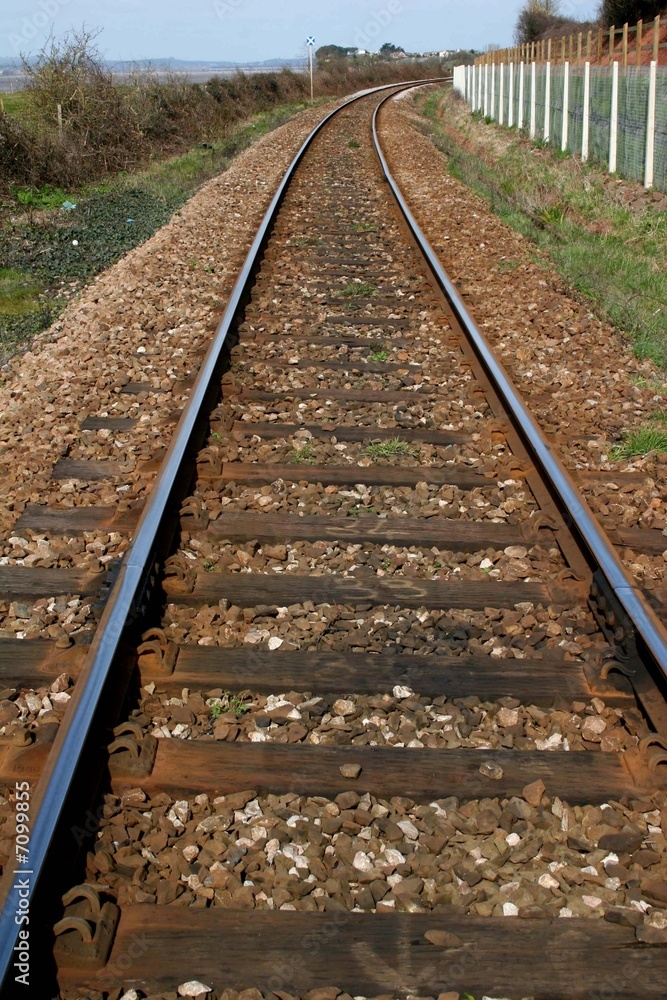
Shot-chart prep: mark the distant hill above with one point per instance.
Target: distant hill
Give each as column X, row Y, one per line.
column 170, row 63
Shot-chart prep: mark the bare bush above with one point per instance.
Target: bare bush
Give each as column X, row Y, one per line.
column 79, row 125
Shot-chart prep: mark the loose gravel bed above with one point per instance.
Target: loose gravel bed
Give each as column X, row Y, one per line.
column 509, row 501
column 148, row 319
column 529, row 856
column 402, row 719
column 526, row 630
column 516, row 562
column 578, row 376
column 303, row 447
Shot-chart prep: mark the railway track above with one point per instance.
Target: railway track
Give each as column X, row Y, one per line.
column 387, row 712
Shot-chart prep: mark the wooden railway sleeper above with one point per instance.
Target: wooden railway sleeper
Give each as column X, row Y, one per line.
column 27, row 753
column 86, row 932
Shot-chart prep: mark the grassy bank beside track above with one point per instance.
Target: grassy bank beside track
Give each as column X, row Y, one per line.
column 606, row 238
column 48, row 254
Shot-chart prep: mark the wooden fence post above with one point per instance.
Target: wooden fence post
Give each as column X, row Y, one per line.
column 624, row 48
column 656, row 40
column 613, row 123
column 638, row 43
column 650, row 126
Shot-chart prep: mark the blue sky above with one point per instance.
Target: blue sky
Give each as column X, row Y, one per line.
column 253, row 30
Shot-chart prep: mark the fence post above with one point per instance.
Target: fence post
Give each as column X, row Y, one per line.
column 510, row 98
column 60, row 119
column 501, row 95
column 533, row 99
column 566, row 105
column 586, row 112
column 656, row 40
column 519, row 117
column 547, row 102
column 486, row 90
column 492, row 109
column 613, row 124
column 624, row 48
column 638, row 43
column 650, row 126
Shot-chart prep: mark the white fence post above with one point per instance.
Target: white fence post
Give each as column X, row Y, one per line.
column 492, row 110
column 480, row 77
column 501, row 95
column 547, row 102
column 613, row 121
column 519, row 117
column 650, row 125
column 510, row 95
column 566, row 105
column 586, row 112
column 486, row 89
column 533, row 99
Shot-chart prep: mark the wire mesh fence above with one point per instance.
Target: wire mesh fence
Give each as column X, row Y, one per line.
column 615, row 118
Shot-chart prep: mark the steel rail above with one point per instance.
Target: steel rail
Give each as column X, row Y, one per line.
column 596, row 543
column 121, row 610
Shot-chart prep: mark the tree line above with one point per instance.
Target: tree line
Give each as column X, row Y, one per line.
column 543, row 19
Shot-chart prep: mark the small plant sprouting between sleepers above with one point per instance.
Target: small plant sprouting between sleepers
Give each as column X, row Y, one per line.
column 640, row 442
column 228, row 702
column 390, row 448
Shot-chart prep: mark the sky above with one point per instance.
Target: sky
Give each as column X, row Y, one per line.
column 254, row 30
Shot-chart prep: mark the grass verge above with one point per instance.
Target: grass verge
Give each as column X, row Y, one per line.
column 14, row 104
column 55, row 252
column 607, row 240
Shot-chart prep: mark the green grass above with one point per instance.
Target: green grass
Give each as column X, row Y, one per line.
column 382, row 354
column 19, row 292
column 228, row 702
column 606, row 252
column 640, row 442
column 14, row 104
column 40, row 198
column 356, row 290
column 302, row 456
column 364, row 227
column 353, row 144
column 111, row 218
column 386, row 449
